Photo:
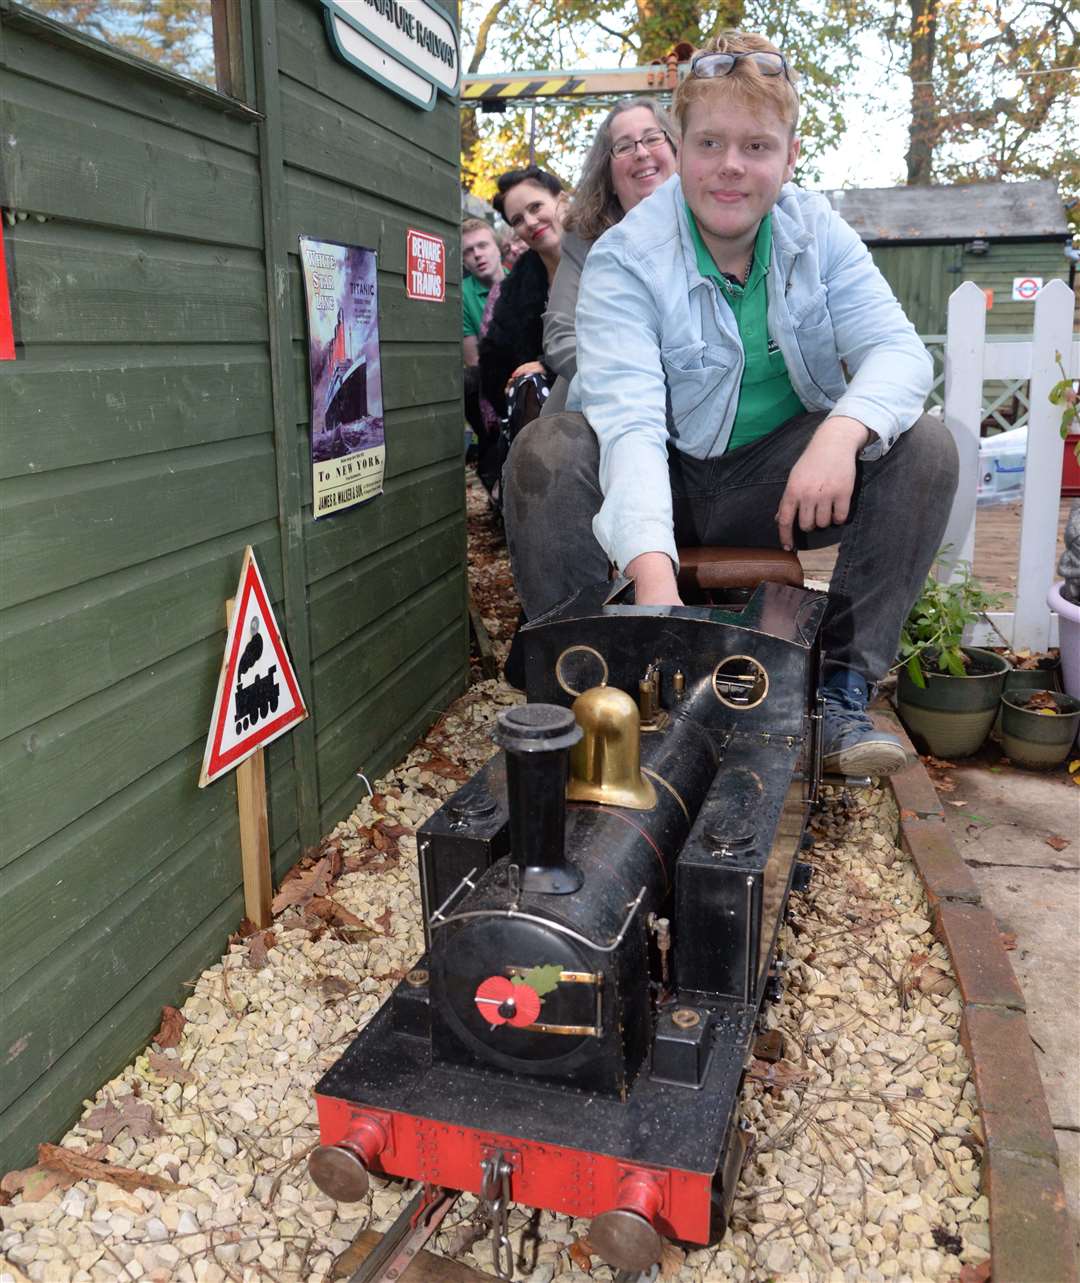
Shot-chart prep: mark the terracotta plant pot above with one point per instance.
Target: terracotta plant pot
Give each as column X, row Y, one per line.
column 952, row 716
column 1034, row 737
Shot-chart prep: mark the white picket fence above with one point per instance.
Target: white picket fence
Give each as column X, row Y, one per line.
column 971, row 360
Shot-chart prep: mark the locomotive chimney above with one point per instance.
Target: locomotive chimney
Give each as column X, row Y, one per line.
column 537, row 739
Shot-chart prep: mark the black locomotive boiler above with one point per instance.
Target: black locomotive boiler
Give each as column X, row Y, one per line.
column 601, row 903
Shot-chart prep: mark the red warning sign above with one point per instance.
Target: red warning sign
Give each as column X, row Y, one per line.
column 425, row 266
column 258, row 696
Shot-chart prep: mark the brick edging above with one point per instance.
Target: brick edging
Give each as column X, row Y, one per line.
column 1030, row 1232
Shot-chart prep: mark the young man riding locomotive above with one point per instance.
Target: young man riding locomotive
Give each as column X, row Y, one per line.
column 745, row 377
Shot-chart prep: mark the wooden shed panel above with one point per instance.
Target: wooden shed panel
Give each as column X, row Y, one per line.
column 365, row 660
column 69, row 406
column 322, row 208
column 71, row 526
column 69, row 880
column 337, row 611
column 302, row 57
column 368, row 733
column 98, row 633
column 82, row 285
column 52, row 1009
column 75, row 160
column 351, row 150
column 433, row 493
column 93, row 80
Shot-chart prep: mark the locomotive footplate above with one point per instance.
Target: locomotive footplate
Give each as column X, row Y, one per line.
column 569, row 1150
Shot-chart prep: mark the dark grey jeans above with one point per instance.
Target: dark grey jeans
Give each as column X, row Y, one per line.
column 899, row 511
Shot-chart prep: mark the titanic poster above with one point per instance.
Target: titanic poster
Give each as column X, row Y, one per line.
column 348, row 447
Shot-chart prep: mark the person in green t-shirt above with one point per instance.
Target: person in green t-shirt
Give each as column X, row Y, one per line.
column 482, row 261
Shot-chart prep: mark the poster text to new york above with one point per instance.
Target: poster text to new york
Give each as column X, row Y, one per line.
column 415, row 30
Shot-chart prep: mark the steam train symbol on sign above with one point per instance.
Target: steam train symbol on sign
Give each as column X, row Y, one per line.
column 258, row 697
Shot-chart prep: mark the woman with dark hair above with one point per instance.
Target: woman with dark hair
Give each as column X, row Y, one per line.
column 632, row 154
column 533, row 203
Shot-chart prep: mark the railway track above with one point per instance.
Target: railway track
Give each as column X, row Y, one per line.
column 399, row 1257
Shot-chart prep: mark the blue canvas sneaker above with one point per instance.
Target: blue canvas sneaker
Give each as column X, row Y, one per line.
column 853, row 745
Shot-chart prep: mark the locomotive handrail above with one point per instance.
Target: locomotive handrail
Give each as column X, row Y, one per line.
column 466, row 881
column 546, row 922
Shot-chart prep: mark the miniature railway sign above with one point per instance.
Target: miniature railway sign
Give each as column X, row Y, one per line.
column 258, row 697
column 1025, row 289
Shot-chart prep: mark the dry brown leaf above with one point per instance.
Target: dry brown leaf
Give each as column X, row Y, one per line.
column 779, row 1075
column 671, row 1260
column 938, row 763
column 1041, row 700
column 943, row 784
column 246, row 928
column 934, row 980
column 167, row 1067
column 378, row 802
column 465, row 1235
column 393, row 830
column 1008, row 940
column 333, row 914
column 1058, row 843
column 334, row 987
column 258, row 947
column 172, row 1028
column 581, row 1254
column 383, row 922
column 77, row 1166
column 302, row 887
column 380, row 840
column 133, row 1116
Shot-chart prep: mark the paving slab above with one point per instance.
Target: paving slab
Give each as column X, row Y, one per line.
column 1033, row 891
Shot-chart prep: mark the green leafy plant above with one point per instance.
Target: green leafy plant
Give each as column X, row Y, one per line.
column 934, row 629
column 1065, row 394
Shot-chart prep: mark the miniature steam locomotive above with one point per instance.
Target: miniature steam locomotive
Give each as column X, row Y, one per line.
column 601, row 904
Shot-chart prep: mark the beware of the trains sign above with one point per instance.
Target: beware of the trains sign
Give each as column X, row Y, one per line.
column 258, row 696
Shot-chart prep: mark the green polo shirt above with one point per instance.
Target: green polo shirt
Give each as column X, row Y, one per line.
column 766, row 397
column 474, row 295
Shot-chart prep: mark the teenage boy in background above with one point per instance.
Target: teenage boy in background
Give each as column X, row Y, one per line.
column 745, row 376
column 481, row 258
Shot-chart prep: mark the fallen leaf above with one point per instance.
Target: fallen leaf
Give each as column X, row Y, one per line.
column 133, row 1116
column 167, row 1067
column 779, row 1075
column 1074, row 766
column 938, row 763
column 332, row 913
column 671, row 1260
column 581, row 1254
column 465, row 1235
column 380, row 840
column 393, row 830
column 302, row 887
column 952, row 803
column 172, row 1028
column 951, row 1243
column 1008, row 940
column 934, row 980
column 246, row 928
column 333, row 987
column 1058, row 843
column 378, row 802
column 943, row 784
column 1042, row 701
column 76, row 1166
column 383, row 922
column 258, row 947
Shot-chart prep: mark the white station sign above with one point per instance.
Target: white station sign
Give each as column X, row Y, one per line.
column 1026, row 288
column 410, row 46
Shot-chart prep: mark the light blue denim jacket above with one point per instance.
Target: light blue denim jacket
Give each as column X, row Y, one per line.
column 659, row 355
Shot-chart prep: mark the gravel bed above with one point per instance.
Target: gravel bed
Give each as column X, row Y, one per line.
column 865, row 1140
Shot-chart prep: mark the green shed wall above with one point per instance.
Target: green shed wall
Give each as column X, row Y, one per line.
column 923, row 276
column 155, row 422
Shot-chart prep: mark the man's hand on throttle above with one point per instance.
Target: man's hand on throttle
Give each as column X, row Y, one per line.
column 818, row 492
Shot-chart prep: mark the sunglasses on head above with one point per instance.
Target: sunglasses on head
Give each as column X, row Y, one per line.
column 711, row 65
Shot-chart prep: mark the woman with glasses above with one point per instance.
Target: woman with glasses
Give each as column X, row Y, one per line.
column 632, row 154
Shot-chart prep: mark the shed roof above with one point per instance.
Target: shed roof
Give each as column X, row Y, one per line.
column 1018, row 211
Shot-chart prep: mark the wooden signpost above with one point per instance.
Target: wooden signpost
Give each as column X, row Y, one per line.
column 258, row 699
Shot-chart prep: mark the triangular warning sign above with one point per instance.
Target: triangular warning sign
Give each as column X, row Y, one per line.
column 258, row 696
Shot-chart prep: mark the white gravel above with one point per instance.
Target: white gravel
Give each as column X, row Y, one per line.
column 865, row 1155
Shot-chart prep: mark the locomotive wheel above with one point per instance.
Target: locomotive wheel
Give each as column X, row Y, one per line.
column 626, row 1240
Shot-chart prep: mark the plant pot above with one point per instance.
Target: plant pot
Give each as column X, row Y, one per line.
column 1068, row 613
column 952, row 716
column 1022, row 680
column 1039, row 739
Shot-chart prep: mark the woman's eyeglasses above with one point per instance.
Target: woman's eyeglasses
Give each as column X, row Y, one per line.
column 653, row 139
column 711, row 65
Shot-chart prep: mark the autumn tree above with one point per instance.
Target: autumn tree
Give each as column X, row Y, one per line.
column 817, row 35
column 994, row 88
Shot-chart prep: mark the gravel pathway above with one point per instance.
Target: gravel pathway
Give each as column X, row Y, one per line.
column 864, row 1163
